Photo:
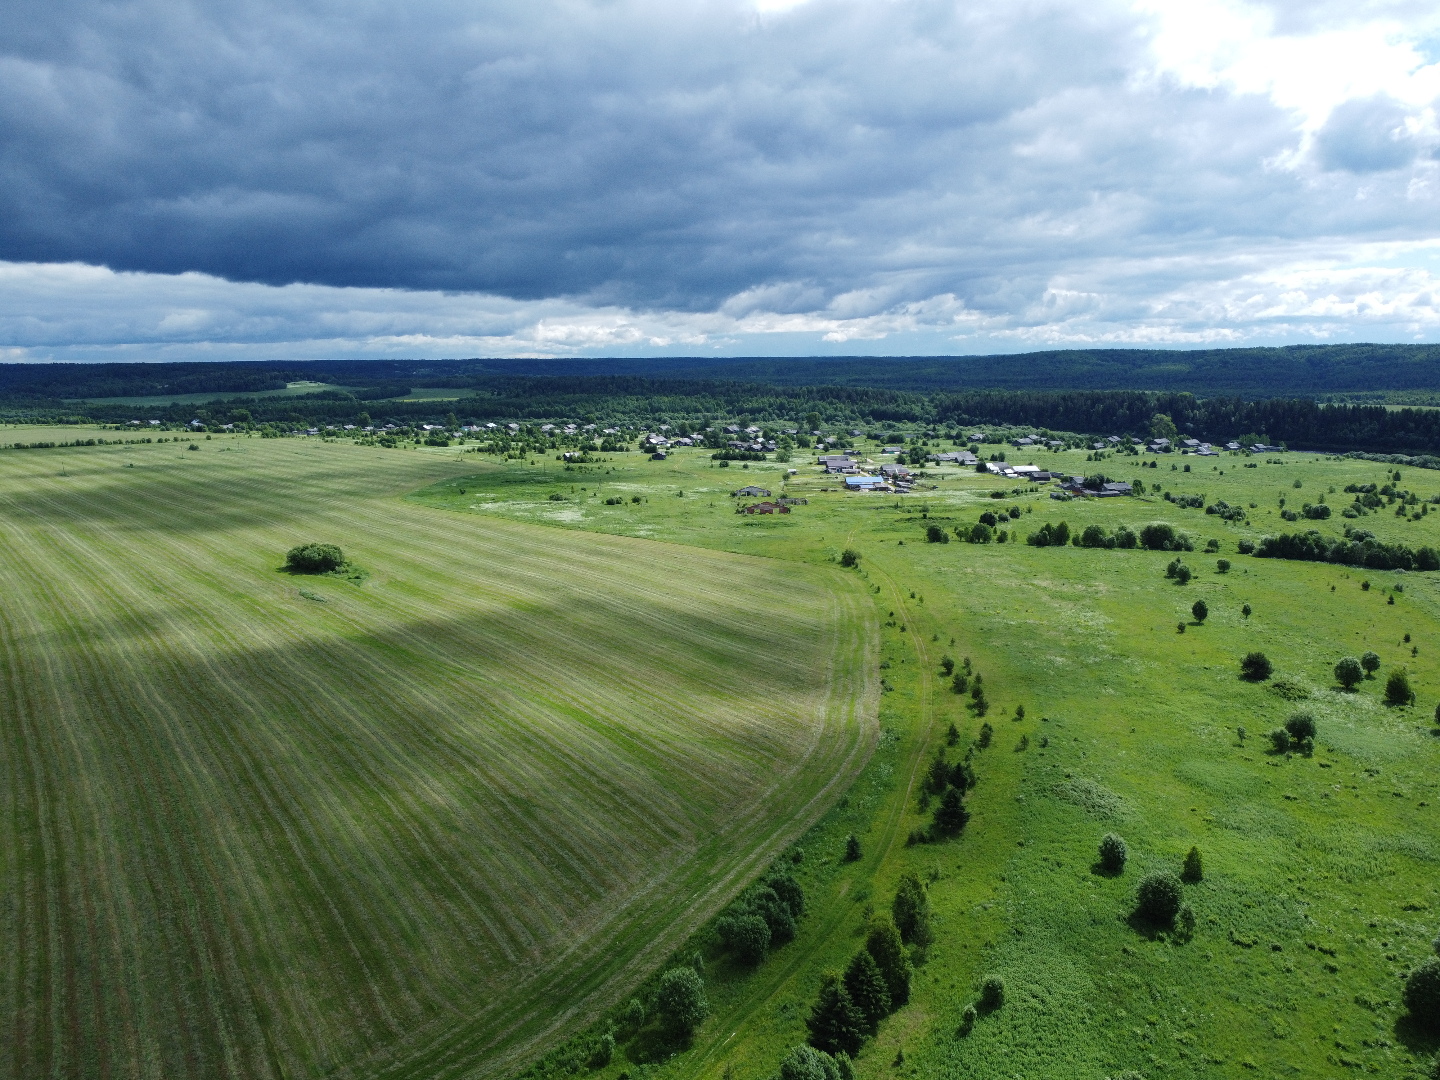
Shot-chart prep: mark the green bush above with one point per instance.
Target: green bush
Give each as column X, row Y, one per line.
column 1348, row 672
column 1256, row 666
column 314, row 559
column 911, row 911
column 1370, row 661
column 1222, row 566
column 1301, row 726
column 867, row 989
column 1200, row 610
column 1280, row 741
column 680, row 1002
column 852, row 848
column 1397, row 688
column 746, row 936
column 883, row 944
column 807, row 1063
column 1159, row 897
column 1185, row 922
column 1422, row 995
column 951, row 815
column 1113, row 854
column 934, row 534
column 849, row 557
column 986, row 734
column 968, row 1016
column 602, row 1053
column 992, row 993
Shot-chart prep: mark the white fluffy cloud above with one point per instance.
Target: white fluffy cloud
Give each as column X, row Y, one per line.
column 635, row 177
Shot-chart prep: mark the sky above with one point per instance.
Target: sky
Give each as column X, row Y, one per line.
column 248, row 179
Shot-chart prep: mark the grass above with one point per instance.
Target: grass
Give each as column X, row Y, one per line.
column 421, row 828
column 318, row 910
column 1320, row 886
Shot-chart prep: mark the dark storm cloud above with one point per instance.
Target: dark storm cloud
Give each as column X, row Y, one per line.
column 665, row 156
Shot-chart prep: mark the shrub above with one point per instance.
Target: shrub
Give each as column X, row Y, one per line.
column 1245, row 547
column 911, row 911
column 968, row 1016
column 1158, row 898
column 1125, row 536
column 1256, row 667
column 680, row 1002
column 1185, row 921
column 1192, row 871
column 1092, row 537
column 959, row 681
column 1301, row 726
column 1057, row 535
column 1183, row 574
column 1200, row 610
column 314, row 559
column 987, row 518
column 979, row 534
column 1280, row 740
column 1371, row 663
column 807, row 1063
column 1348, row 672
column 603, row 1052
column 1222, row 566
column 1113, row 854
column 852, row 848
column 849, row 557
column 986, row 734
column 1397, row 688
column 883, row 944
column 934, row 534
column 992, row 993
column 746, row 936
column 1162, row 536
column 1246, row 610
column 1422, row 994
column 947, row 664
column 634, row 1015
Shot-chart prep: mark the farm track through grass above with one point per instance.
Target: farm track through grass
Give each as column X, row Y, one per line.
column 418, row 829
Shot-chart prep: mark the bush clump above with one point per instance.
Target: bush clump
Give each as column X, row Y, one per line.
column 1113, row 854
column 1256, row 667
column 1159, row 898
column 807, row 1063
column 992, row 993
column 680, row 1002
column 314, row 559
column 1301, row 727
column 1397, row 688
column 1348, row 672
column 1162, row 536
column 849, row 557
column 1422, row 995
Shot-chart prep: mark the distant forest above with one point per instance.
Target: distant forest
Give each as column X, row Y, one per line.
column 1221, row 394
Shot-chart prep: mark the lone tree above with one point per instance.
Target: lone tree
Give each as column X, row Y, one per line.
column 1370, row 661
column 888, row 951
column 1422, row 995
column 314, row 559
column 680, row 1002
column 992, row 993
column 849, row 557
column 1397, row 688
column 835, row 1024
column 1159, row 897
column 951, row 815
column 1348, row 672
column 867, row 989
column 1193, row 870
column 1256, row 667
column 1113, row 854
column 1199, row 609
column 911, row 909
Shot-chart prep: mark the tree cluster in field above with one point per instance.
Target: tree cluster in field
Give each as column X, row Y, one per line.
column 1297, row 736
column 876, row 982
column 314, row 559
column 1160, row 897
column 1156, row 536
column 1225, row 512
column 763, row 918
column 950, row 783
column 1350, row 671
column 1358, row 548
column 965, row 680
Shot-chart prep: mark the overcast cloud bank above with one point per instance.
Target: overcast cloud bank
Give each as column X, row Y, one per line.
column 323, row 179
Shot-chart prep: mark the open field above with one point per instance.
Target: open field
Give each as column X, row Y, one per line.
column 1322, row 873
column 424, row 824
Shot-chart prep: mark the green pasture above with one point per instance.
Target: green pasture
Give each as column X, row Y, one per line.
column 438, row 822
column 1320, row 885
column 258, row 825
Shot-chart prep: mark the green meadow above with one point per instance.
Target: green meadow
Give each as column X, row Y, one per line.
column 1320, row 872
column 446, row 816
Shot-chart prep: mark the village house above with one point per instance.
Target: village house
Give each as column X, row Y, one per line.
column 751, row 492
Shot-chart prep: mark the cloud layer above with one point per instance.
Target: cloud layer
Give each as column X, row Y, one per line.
column 439, row 178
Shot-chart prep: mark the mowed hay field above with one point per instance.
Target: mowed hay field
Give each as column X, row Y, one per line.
column 418, row 825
